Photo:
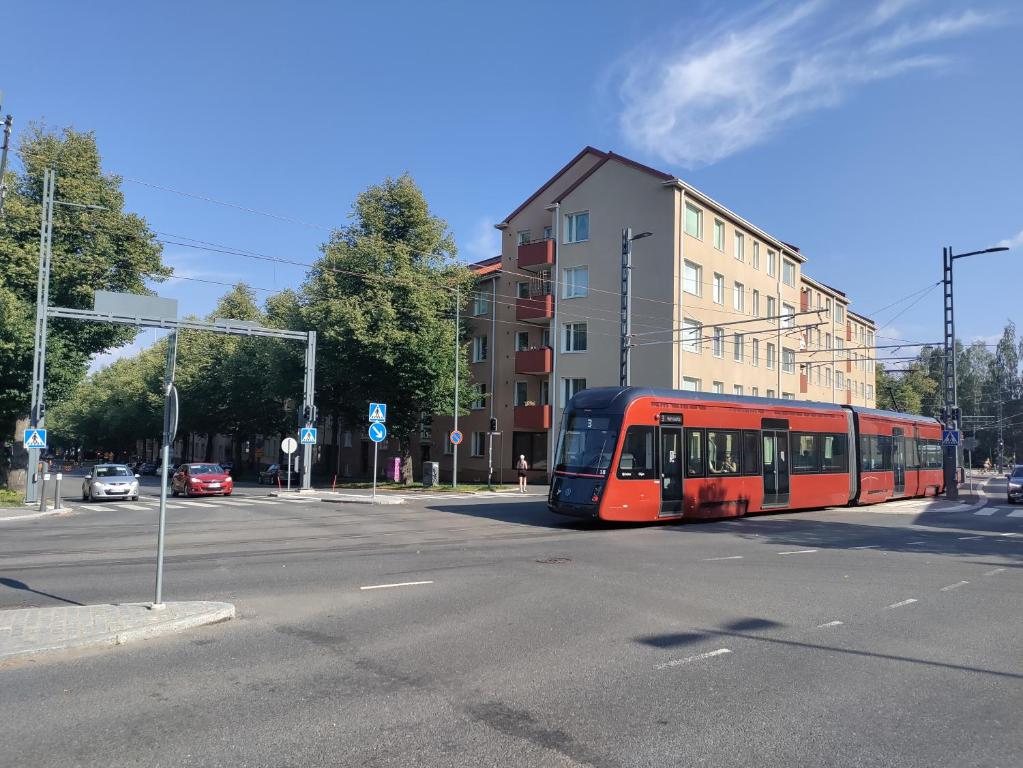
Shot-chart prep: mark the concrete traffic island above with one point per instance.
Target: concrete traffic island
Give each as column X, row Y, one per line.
column 29, row 632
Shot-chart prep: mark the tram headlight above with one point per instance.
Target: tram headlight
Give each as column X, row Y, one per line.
column 597, row 488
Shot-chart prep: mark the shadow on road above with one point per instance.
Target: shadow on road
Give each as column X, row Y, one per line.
column 529, row 513
column 15, row 584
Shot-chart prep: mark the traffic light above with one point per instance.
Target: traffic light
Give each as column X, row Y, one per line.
column 307, row 414
column 493, row 424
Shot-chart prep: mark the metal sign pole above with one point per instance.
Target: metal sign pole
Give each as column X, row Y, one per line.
column 37, row 412
column 290, row 457
column 376, row 448
column 170, row 426
column 458, row 334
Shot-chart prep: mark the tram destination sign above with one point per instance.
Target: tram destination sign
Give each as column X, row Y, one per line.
column 671, row 418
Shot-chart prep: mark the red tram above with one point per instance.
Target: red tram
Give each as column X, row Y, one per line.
column 638, row 454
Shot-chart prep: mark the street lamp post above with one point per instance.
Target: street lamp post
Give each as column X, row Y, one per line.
column 950, row 414
column 625, row 360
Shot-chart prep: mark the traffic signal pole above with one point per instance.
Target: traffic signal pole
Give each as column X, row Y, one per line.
column 37, row 412
column 949, row 384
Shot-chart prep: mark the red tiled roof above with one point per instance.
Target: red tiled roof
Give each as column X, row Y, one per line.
column 487, row 266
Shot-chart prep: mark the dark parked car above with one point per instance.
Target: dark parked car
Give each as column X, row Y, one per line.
column 272, row 473
column 1015, row 492
column 147, row 468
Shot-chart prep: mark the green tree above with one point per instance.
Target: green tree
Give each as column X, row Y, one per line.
column 382, row 300
column 107, row 248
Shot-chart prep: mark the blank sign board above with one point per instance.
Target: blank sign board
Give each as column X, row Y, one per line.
column 136, row 305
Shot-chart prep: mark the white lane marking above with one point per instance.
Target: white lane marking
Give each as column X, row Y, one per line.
column 690, row 659
column 198, row 504
column 730, row 557
column 1017, row 513
column 135, row 507
column 967, row 538
column 99, row 508
column 953, row 586
column 902, row 603
column 911, row 543
column 986, row 511
column 797, row 552
column 262, row 501
column 232, row 503
column 830, row 624
column 869, row 546
column 993, row 572
column 401, row 584
column 1008, row 534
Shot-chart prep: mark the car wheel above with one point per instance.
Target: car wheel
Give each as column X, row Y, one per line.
column 174, row 491
column 227, row 493
column 135, row 497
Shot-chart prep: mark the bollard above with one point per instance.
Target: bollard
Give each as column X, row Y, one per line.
column 56, row 493
column 42, row 491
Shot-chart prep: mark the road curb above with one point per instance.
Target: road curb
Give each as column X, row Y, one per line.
column 34, row 515
column 381, row 500
column 205, row 612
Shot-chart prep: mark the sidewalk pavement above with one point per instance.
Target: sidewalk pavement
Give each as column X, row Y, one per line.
column 30, row 511
column 29, row 632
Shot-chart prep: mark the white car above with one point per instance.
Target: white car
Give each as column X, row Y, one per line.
column 110, row 481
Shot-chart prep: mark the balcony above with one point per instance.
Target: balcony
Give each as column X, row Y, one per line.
column 534, row 361
column 539, row 253
column 534, row 418
column 534, row 308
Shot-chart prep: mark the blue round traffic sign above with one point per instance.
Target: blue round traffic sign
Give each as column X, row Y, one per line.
column 456, row 437
column 377, row 432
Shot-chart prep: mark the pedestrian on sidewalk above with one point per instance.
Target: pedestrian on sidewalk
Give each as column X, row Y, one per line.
column 522, row 465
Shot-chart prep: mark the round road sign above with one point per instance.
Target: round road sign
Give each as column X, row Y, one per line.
column 456, row 437
column 377, row 432
column 288, row 445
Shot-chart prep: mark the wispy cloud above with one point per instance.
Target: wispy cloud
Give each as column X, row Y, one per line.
column 708, row 94
column 483, row 241
column 1013, row 242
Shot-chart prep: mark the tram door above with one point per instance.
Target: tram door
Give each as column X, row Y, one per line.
column 899, row 461
column 671, row 471
column 776, row 468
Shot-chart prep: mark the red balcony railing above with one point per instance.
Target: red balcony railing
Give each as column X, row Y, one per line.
column 534, row 361
column 536, row 254
column 534, row 308
column 535, row 418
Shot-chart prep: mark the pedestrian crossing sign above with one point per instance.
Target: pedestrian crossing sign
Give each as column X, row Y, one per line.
column 307, row 436
column 378, row 411
column 950, row 438
column 35, row 438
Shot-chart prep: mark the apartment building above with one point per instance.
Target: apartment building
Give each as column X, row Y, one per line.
column 718, row 305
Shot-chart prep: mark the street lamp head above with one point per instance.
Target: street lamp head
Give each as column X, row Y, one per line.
column 641, row 235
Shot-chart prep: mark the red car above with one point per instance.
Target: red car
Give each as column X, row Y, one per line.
column 201, row 480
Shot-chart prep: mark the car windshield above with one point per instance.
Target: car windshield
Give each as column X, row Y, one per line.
column 205, row 469
column 112, row 472
column 1017, row 473
column 587, row 443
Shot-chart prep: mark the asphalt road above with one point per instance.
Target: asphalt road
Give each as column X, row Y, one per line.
column 874, row 637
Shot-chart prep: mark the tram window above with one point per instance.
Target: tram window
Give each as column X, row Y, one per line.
column 930, row 454
column 804, row 453
column 885, row 443
column 694, row 452
column 912, row 457
column 637, row 459
column 835, row 453
column 722, row 453
column 751, row 453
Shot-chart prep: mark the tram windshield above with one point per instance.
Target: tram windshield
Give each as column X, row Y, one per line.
column 587, row 443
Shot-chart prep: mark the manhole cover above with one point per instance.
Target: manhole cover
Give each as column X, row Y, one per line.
column 555, row 560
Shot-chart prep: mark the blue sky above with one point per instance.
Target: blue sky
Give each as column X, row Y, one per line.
column 871, row 133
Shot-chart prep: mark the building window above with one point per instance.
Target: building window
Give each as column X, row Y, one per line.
column 570, row 388
column 719, row 387
column 479, row 444
column 756, row 255
column 689, row 384
column 840, row 379
column 522, row 290
column 739, row 297
column 545, row 392
column 827, row 377
column 787, row 396
column 521, row 393
column 737, row 346
column 576, row 283
column 772, row 308
column 789, row 316
column 522, row 237
column 770, row 393
column 575, row 338
column 756, row 303
column 480, row 401
column 346, row 439
column 479, row 349
column 772, row 263
column 692, row 336
column 692, row 279
column 839, row 313
column 718, row 347
column 425, row 429
column 739, row 247
column 756, row 391
column 870, row 391
column 737, row 389
column 481, row 303
column 548, row 232
column 521, row 340
column 719, row 288
column 719, row 234
column 694, row 221
column 770, row 355
column 788, row 360
column 577, row 227
column 788, row 272
column 449, row 447
column 756, row 353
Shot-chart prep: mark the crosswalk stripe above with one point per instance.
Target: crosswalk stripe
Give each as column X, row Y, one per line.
column 99, row 508
column 1017, row 513
column 134, row 507
column 198, row 504
column 986, row 511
